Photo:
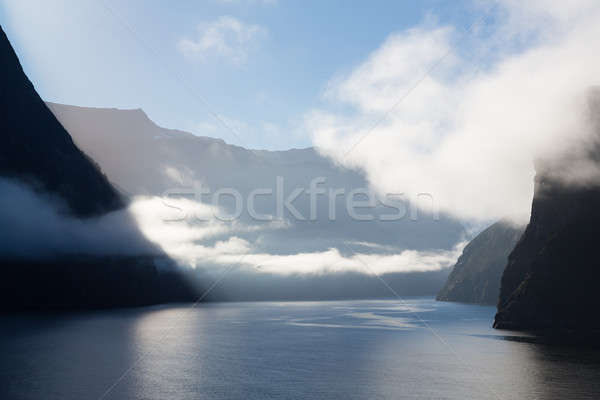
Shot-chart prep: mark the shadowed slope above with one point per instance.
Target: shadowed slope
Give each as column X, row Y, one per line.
column 37, row 149
column 476, row 276
column 38, row 152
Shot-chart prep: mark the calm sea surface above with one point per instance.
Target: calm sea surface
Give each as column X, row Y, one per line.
column 412, row 349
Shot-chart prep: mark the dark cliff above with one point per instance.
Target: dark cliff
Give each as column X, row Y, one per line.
column 36, row 150
column 476, row 276
column 552, row 275
column 551, row 279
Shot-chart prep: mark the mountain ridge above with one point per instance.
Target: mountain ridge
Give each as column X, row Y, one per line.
column 138, row 158
column 476, row 276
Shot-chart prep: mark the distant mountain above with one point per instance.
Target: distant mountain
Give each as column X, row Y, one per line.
column 139, row 157
column 476, row 276
column 142, row 158
column 551, row 280
column 37, row 151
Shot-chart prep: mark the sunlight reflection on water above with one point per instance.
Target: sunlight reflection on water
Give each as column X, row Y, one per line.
column 350, row 350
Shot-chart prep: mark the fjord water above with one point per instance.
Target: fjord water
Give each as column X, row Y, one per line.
column 416, row 348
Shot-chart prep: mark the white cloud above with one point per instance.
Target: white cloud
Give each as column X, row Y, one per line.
column 187, row 231
column 469, row 140
column 35, row 225
column 227, row 37
column 371, row 245
column 332, row 261
column 392, row 69
column 187, row 241
column 180, row 226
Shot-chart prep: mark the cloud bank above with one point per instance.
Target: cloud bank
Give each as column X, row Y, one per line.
column 207, row 242
column 463, row 116
column 38, row 226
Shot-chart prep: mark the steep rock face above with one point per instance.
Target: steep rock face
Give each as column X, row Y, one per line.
column 37, row 149
column 476, row 276
column 551, row 280
column 552, row 275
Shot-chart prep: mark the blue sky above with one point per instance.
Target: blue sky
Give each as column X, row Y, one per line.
column 261, row 68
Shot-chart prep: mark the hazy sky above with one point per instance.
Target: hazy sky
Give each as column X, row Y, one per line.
column 454, row 99
column 260, row 65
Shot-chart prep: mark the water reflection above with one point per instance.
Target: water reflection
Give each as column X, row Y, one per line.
column 351, row 350
column 563, row 372
column 68, row 356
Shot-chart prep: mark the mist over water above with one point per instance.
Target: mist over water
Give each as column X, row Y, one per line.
column 388, row 349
